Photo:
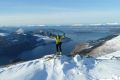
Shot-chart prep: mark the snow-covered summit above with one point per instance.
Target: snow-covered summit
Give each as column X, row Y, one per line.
column 62, row 68
column 20, row 31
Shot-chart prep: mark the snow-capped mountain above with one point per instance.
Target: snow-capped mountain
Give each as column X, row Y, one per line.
column 20, row 31
column 105, row 24
column 3, row 32
column 97, row 24
column 78, row 25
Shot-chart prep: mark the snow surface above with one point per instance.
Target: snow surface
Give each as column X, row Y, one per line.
column 3, row 34
column 113, row 55
column 63, row 68
column 43, row 37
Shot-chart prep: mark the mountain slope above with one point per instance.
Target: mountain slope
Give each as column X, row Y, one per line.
column 63, row 68
column 114, row 55
column 107, row 47
column 98, row 47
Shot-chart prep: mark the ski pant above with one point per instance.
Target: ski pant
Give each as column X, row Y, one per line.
column 58, row 47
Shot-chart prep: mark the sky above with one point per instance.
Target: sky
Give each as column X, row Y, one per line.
column 59, row 12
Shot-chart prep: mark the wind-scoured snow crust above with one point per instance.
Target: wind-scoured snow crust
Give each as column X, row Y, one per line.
column 63, row 68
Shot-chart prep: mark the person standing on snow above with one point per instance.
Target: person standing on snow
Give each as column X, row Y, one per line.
column 58, row 40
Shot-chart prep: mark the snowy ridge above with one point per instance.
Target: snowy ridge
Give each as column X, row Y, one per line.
column 20, row 31
column 3, row 34
column 96, row 24
column 114, row 55
column 63, row 68
column 108, row 47
column 105, row 24
column 43, row 37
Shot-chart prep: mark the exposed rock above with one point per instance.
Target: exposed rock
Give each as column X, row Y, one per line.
column 79, row 48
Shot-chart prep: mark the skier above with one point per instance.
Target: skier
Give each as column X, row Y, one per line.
column 59, row 39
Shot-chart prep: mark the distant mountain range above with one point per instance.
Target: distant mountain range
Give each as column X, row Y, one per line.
column 78, row 24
